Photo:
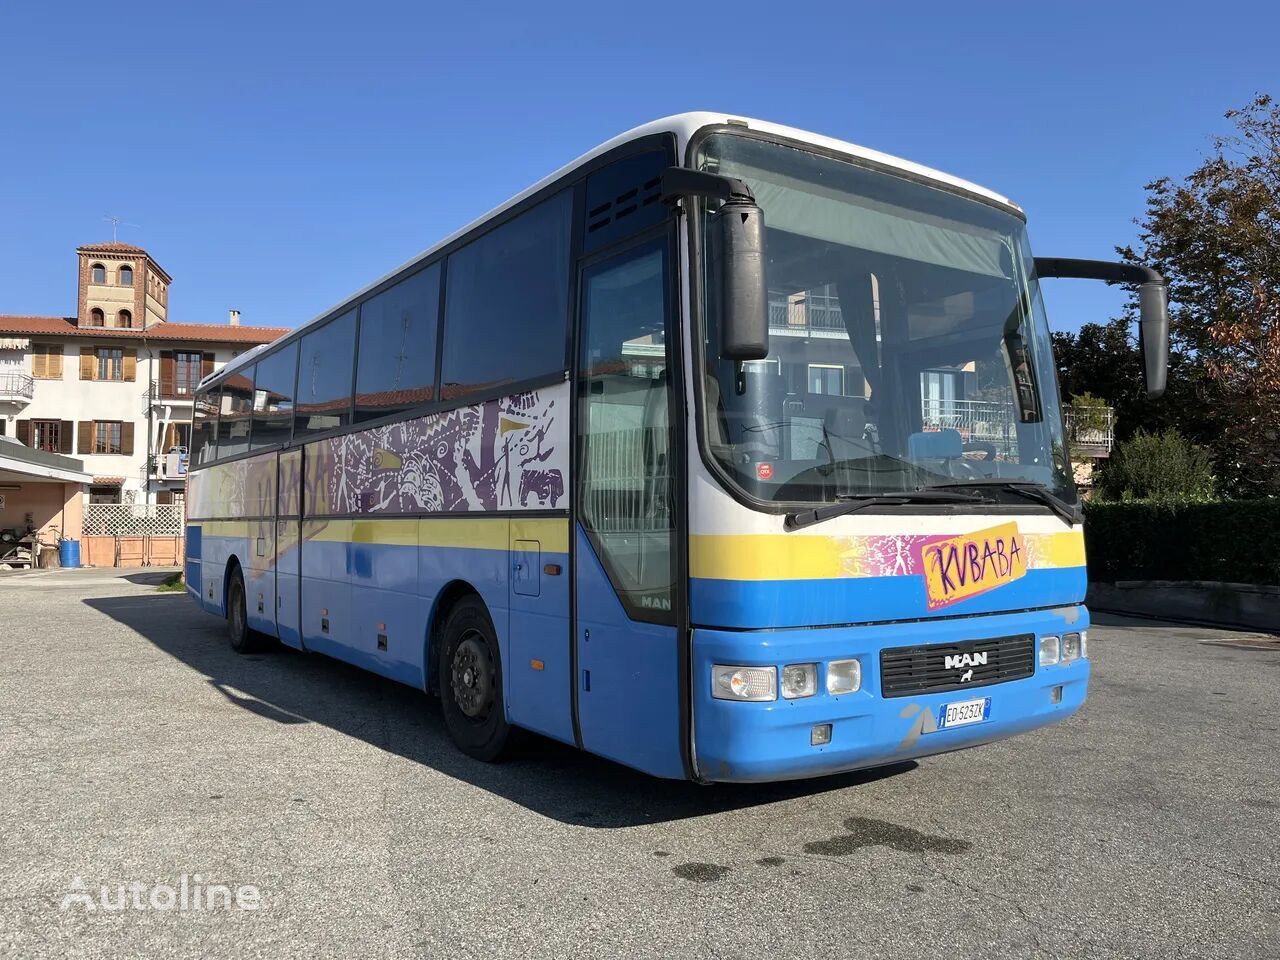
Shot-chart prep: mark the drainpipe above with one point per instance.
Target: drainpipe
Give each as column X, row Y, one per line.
column 146, row 459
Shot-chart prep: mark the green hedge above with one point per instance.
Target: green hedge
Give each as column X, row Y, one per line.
column 1228, row 541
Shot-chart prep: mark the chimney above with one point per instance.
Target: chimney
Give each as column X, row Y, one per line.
column 234, row 318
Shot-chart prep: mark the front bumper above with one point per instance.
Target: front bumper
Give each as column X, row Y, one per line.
column 748, row 742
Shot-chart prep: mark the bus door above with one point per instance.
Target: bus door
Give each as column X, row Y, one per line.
column 627, row 669
column 288, row 547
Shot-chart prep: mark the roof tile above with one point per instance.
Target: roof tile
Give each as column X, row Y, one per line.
column 206, row 332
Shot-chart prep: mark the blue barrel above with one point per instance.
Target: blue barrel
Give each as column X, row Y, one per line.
column 69, row 553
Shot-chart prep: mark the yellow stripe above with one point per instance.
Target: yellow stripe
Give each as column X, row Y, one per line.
column 476, row 533
column 327, row 531
column 764, row 557
column 397, row 533
column 800, row 557
column 1065, row 549
column 552, row 533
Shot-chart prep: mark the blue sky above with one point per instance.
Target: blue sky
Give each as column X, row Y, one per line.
column 276, row 158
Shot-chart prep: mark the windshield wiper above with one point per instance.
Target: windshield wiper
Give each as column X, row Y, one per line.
column 846, row 504
column 1038, row 492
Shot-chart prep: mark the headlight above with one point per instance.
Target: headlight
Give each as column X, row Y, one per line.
column 799, row 680
column 1072, row 647
column 843, row 676
column 1048, row 651
column 744, row 683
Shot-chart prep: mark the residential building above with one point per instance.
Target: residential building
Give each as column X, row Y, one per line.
column 113, row 385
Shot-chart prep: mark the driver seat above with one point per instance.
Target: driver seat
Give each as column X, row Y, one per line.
column 935, row 445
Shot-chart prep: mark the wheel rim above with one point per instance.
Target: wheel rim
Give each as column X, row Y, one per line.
column 472, row 679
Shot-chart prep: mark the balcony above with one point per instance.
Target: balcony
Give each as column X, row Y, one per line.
column 16, row 388
column 165, row 466
column 160, row 394
column 810, row 315
column 1091, row 432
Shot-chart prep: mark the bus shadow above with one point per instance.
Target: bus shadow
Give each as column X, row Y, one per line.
column 543, row 775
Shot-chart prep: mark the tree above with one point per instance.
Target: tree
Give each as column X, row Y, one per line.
column 1157, row 466
column 1103, row 361
column 1216, row 238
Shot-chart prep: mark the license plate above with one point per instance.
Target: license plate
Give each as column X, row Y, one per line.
column 963, row 713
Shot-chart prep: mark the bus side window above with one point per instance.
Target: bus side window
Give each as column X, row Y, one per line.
column 626, row 473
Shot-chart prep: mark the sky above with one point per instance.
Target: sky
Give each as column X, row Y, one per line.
column 274, row 157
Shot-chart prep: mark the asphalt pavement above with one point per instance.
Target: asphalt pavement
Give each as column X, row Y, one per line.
column 136, row 749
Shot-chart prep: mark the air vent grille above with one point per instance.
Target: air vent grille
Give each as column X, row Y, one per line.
column 624, row 198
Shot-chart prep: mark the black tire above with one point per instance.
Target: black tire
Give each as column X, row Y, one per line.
column 243, row 639
column 469, row 675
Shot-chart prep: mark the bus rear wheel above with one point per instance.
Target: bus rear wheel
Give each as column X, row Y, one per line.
column 243, row 638
column 469, row 673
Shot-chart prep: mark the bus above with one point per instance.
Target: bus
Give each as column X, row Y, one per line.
column 729, row 452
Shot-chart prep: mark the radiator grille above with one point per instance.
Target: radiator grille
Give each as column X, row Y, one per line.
column 924, row 669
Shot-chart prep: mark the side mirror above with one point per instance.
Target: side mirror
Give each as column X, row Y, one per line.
column 738, row 262
column 735, row 241
column 1153, row 307
column 1153, row 335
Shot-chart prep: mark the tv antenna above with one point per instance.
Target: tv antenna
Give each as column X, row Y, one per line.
column 116, row 224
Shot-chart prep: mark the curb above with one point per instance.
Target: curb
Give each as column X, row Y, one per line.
column 1247, row 605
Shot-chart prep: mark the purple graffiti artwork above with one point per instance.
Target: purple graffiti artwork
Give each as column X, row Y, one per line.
column 506, row 454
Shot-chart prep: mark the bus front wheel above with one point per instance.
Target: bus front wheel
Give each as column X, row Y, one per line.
column 470, row 682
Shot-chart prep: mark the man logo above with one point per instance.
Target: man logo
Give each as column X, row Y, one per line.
column 967, row 675
column 954, row 661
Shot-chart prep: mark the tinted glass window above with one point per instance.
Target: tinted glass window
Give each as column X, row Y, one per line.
column 624, row 198
column 204, row 425
column 273, row 397
column 506, row 301
column 324, row 376
column 624, row 436
column 397, row 359
column 234, row 414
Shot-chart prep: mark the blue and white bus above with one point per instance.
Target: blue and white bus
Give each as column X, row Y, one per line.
column 728, row 451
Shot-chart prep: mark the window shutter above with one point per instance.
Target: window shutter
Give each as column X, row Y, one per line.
column 206, row 365
column 24, row 432
column 84, row 436
column 168, row 373
column 126, row 438
column 130, row 363
column 53, row 361
column 39, row 363
column 88, row 364
column 64, row 436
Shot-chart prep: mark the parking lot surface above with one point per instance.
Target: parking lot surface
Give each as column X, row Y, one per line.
column 136, row 748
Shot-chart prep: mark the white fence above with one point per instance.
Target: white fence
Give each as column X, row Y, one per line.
column 983, row 421
column 132, row 520
column 977, row 421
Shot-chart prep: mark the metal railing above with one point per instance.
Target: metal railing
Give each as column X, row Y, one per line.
column 170, row 393
column 16, row 386
column 985, row 421
column 813, row 312
column 1091, row 430
column 977, row 421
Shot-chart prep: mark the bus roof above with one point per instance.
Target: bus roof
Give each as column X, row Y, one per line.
column 683, row 126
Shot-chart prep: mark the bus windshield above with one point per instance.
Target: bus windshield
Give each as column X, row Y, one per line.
column 908, row 345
